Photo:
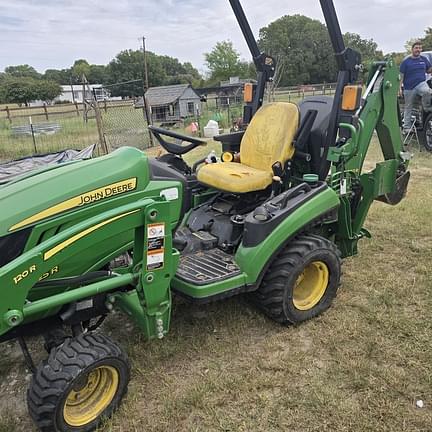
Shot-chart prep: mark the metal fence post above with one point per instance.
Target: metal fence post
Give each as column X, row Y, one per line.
column 8, row 114
column 45, row 111
column 33, row 135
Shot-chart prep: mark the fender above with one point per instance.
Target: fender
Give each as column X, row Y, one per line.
column 253, row 260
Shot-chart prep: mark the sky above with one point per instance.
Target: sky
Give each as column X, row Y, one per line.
column 54, row 33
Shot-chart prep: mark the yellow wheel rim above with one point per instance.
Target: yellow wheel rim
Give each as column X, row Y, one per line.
column 91, row 395
column 311, row 285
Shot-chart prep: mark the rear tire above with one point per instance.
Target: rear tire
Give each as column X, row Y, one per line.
column 82, row 381
column 425, row 135
column 302, row 281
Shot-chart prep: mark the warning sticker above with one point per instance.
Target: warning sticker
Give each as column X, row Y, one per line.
column 155, row 260
column 155, row 244
column 155, row 230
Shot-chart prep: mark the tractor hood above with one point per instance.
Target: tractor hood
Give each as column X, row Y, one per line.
column 56, row 190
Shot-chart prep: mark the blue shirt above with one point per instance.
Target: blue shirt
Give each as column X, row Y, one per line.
column 414, row 71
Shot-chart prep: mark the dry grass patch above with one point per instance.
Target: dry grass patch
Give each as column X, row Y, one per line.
column 359, row 367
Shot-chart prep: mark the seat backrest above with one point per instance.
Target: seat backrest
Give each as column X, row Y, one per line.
column 269, row 136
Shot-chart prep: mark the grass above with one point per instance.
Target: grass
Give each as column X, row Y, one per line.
column 122, row 126
column 361, row 366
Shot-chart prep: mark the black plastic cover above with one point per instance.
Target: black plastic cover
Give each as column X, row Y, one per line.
column 317, row 138
column 12, row 245
column 161, row 170
column 279, row 208
column 230, row 142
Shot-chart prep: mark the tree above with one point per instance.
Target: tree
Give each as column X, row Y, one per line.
column 19, row 90
column 80, row 67
column 398, row 57
column 98, row 74
column 62, row 76
column 223, row 62
column 128, row 66
column 23, row 71
column 178, row 73
column 303, row 46
column 47, row 90
column 427, row 39
column 368, row 49
column 22, row 90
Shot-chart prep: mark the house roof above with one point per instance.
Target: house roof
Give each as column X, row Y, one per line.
column 165, row 95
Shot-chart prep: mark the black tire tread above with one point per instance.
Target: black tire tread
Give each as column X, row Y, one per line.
column 62, row 366
column 422, row 133
column 270, row 295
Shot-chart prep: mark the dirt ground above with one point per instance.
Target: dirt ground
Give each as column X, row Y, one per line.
column 361, row 366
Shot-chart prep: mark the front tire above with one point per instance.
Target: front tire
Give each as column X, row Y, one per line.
column 82, row 381
column 425, row 135
column 302, row 281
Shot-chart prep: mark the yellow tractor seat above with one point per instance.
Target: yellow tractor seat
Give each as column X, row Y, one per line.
column 268, row 139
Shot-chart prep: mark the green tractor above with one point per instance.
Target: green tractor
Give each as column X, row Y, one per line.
column 273, row 218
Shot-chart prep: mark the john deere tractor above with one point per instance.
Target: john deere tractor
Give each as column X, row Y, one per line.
column 273, row 218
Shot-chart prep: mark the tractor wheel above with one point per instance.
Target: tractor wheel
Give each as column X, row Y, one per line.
column 82, row 381
column 425, row 135
column 302, row 280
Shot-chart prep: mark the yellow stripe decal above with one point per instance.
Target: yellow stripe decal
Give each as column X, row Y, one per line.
column 81, row 200
column 50, row 253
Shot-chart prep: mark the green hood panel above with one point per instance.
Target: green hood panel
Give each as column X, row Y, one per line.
column 72, row 186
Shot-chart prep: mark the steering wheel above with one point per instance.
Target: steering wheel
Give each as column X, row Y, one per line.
column 172, row 147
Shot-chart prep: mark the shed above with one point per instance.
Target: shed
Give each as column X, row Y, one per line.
column 170, row 104
column 228, row 92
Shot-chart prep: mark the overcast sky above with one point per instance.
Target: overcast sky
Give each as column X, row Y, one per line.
column 54, row 33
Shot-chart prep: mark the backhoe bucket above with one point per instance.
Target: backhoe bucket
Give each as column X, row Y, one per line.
column 399, row 193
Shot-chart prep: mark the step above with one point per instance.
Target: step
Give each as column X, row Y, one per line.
column 206, row 267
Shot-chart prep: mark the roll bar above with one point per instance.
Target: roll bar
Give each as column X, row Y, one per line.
column 348, row 61
column 265, row 64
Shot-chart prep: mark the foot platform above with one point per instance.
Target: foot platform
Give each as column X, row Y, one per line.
column 205, row 267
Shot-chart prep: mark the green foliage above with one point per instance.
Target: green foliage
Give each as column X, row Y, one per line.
column 18, row 90
column 128, row 65
column 98, row 74
column 80, row 67
column 224, row 62
column 427, row 39
column 178, row 73
column 368, row 48
column 398, row 57
column 62, row 76
column 48, row 90
column 162, row 70
column 23, row 71
column 303, row 46
column 22, row 90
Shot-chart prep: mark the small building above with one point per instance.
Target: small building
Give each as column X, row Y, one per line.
column 171, row 104
column 74, row 93
column 228, row 92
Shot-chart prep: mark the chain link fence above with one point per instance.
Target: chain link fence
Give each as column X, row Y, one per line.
column 119, row 119
column 124, row 117
column 38, row 130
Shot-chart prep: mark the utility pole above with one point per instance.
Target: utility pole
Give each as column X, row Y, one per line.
column 145, row 63
column 145, row 88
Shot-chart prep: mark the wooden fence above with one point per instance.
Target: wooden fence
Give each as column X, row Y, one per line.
column 13, row 113
column 45, row 111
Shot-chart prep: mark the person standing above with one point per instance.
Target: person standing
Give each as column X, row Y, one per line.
column 413, row 77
